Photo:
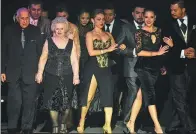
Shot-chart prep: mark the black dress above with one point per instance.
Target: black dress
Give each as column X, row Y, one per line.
column 58, row 80
column 99, row 66
column 148, row 68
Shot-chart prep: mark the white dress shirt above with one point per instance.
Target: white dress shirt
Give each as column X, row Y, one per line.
column 182, row 55
column 33, row 22
column 110, row 27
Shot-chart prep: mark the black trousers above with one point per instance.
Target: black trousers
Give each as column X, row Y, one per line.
column 119, row 86
column 179, row 89
column 131, row 95
column 192, row 94
column 21, row 95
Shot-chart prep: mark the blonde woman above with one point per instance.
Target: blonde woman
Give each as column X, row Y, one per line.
column 60, row 63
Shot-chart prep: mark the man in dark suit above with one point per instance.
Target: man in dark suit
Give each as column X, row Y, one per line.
column 113, row 25
column 21, row 49
column 192, row 72
column 35, row 9
column 127, row 37
column 178, row 66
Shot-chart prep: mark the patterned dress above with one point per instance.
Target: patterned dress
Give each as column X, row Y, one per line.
column 58, row 81
column 148, row 68
column 99, row 66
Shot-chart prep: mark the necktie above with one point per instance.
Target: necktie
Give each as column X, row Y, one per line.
column 140, row 27
column 183, row 27
column 108, row 28
column 22, row 38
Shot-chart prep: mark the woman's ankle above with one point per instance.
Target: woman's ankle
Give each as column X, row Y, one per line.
column 158, row 129
column 82, row 121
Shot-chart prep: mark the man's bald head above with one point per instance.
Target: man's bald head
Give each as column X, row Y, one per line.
column 22, row 16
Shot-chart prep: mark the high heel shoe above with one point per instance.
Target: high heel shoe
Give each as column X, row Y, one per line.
column 107, row 129
column 80, row 128
column 63, row 129
column 126, row 130
column 158, row 132
column 55, row 130
column 129, row 129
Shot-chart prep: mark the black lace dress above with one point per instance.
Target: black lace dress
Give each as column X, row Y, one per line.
column 148, row 68
column 58, row 81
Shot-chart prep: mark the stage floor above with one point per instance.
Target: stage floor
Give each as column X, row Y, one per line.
column 116, row 130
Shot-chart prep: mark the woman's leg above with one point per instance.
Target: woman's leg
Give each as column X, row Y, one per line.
column 54, row 117
column 153, row 113
column 108, row 117
column 65, row 116
column 91, row 93
column 106, row 98
column 148, row 80
column 134, row 112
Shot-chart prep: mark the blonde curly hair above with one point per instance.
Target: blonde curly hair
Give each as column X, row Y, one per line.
column 60, row 20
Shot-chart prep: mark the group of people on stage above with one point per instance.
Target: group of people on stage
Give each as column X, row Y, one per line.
column 103, row 55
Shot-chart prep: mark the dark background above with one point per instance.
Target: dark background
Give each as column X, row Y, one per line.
column 123, row 10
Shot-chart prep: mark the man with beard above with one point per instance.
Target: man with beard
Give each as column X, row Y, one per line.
column 113, row 25
column 179, row 66
column 127, row 37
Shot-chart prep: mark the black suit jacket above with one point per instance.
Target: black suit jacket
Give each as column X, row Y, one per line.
column 175, row 64
column 45, row 28
column 18, row 61
column 192, row 62
column 127, row 36
column 118, row 67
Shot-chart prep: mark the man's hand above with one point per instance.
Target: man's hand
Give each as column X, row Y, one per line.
column 189, row 52
column 3, row 77
column 122, row 47
column 163, row 71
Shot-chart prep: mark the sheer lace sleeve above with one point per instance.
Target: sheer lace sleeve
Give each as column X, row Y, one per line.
column 138, row 39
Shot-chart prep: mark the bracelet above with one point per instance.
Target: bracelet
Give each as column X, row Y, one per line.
column 40, row 72
column 168, row 46
column 76, row 76
column 102, row 51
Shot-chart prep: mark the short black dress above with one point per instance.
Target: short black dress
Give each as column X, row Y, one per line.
column 58, row 80
column 148, row 68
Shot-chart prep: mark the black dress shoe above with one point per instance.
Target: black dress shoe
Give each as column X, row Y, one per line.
column 172, row 131
column 27, row 132
column 12, row 131
column 192, row 132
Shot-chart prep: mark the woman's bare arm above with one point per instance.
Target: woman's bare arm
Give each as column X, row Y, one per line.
column 74, row 62
column 43, row 58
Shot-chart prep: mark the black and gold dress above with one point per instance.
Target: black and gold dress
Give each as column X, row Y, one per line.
column 99, row 66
